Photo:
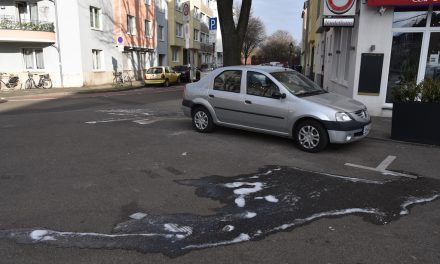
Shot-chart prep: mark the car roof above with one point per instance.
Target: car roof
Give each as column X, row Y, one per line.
column 268, row 69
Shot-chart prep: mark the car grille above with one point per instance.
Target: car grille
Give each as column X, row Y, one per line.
column 362, row 114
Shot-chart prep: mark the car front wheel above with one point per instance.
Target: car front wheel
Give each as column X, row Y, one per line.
column 311, row 136
column 202, row 120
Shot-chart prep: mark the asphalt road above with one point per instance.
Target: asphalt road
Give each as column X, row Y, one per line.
column 83, row 164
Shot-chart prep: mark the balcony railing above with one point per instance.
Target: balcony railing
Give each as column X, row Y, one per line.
column 12, row 22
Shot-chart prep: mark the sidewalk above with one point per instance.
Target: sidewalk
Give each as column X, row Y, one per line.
column 5, row 94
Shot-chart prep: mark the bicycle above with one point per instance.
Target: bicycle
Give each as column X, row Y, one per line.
column 120, row 79
column 44, row 82
column 12, row 83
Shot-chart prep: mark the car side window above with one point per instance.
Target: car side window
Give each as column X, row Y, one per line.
column 259, row 84
column 228, row 81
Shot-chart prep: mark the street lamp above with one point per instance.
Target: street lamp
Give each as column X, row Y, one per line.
column 290, row 54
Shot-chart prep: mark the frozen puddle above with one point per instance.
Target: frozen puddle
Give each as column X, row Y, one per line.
column 275, row 199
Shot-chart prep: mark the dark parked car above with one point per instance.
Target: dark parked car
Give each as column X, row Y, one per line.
column 184, row 71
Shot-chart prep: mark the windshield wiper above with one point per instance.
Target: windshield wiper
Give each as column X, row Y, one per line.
column 311, row 93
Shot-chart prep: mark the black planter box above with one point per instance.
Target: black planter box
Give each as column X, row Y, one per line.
column 416, row 122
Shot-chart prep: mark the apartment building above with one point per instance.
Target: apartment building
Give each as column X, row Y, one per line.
column 162, row 32
column 189, row 42
column 78, row 42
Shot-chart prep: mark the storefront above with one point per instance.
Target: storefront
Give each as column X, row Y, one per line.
column 391, row 41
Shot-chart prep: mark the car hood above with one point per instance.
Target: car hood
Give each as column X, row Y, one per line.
column 336, row 101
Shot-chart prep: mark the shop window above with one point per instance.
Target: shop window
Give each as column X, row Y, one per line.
column 405, row 58
column 435, row 19
column 410, row 17
column 433, row 62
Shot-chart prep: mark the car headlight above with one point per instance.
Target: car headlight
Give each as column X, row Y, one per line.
column 342, row 117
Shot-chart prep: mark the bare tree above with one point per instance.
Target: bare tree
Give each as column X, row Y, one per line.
column 277, row 47
column 233, row 35
column 255, row 35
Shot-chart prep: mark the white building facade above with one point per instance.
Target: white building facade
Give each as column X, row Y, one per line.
column 391, row 41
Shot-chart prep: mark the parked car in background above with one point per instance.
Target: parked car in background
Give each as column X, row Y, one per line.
column 163, row 75
column 184, row 71
column 276, row 101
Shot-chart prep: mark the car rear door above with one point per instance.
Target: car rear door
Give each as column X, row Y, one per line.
column 226, row 97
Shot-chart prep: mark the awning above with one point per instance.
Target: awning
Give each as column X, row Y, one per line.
column 402, row 2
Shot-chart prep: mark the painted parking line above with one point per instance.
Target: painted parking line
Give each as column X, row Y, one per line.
column 382, row 168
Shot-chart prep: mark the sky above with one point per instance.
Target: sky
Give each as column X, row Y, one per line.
column 280, row 14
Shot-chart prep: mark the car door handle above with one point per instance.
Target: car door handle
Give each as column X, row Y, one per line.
column 248, row 102
column 211, row 95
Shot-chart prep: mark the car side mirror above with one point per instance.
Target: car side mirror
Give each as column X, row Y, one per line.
column 278, row 95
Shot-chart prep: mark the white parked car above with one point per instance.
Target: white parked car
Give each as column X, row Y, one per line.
column 276, row 101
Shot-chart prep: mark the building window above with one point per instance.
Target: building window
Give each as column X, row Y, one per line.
column 203, row 18
column 148, row 29
column 97, row 59
column 33, row 59
column 179, row 30
column 178, row 5
column 95, row 18
column 131, row 25
column 161, row 5
column 196, row 12
column 175, row 55
column 148, row 2
column 196, row 35
column 160, row 33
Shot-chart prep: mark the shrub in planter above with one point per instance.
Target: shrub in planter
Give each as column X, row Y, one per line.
column 416, row 112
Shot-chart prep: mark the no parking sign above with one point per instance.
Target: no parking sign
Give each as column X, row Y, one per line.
column 340, row 7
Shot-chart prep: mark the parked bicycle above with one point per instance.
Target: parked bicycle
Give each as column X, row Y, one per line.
column 120, row 79
column 44, row 82
column 12, row 83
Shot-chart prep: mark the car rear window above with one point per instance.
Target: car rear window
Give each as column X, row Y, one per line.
column 155, row 71
column 228, row 81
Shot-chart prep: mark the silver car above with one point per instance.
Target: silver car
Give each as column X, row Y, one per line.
column 275, row 101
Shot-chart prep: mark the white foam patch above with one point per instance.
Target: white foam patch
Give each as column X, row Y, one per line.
column 138, row 216
column 325, row 214
column 38, row 234
column 413, row 201
column 258, row 186
column 239, row 239
column 250, row 215
column 228, row 228
column 271, row 199
column 175, row 228
column 240, row 202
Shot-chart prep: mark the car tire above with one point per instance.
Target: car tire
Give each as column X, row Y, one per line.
column 311, row 136
column 202, row 120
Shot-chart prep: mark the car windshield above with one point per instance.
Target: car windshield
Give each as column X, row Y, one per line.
column 297, row 84
column 155, row 71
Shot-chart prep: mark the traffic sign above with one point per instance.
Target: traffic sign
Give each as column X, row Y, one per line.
column 186, row 9
column 213, row 23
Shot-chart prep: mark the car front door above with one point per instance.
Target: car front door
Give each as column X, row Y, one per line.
column 225, row 96
column 262, row 103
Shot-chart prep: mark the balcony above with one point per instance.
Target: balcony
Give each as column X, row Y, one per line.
column 13, row 29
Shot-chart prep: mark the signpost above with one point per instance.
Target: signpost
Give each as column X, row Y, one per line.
column 213, row 22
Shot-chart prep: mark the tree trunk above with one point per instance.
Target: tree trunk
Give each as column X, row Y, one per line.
column 233, row 36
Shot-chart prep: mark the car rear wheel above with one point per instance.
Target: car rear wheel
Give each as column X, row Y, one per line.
column 202, row 120
column 311, row 136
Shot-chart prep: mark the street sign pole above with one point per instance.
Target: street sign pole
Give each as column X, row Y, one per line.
column 213, row 35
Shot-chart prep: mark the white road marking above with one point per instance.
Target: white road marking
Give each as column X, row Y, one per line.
column 382, row 168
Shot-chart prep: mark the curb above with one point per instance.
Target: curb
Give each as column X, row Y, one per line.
column 3, row 100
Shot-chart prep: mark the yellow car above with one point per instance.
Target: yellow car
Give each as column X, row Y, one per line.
column 161, row 75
